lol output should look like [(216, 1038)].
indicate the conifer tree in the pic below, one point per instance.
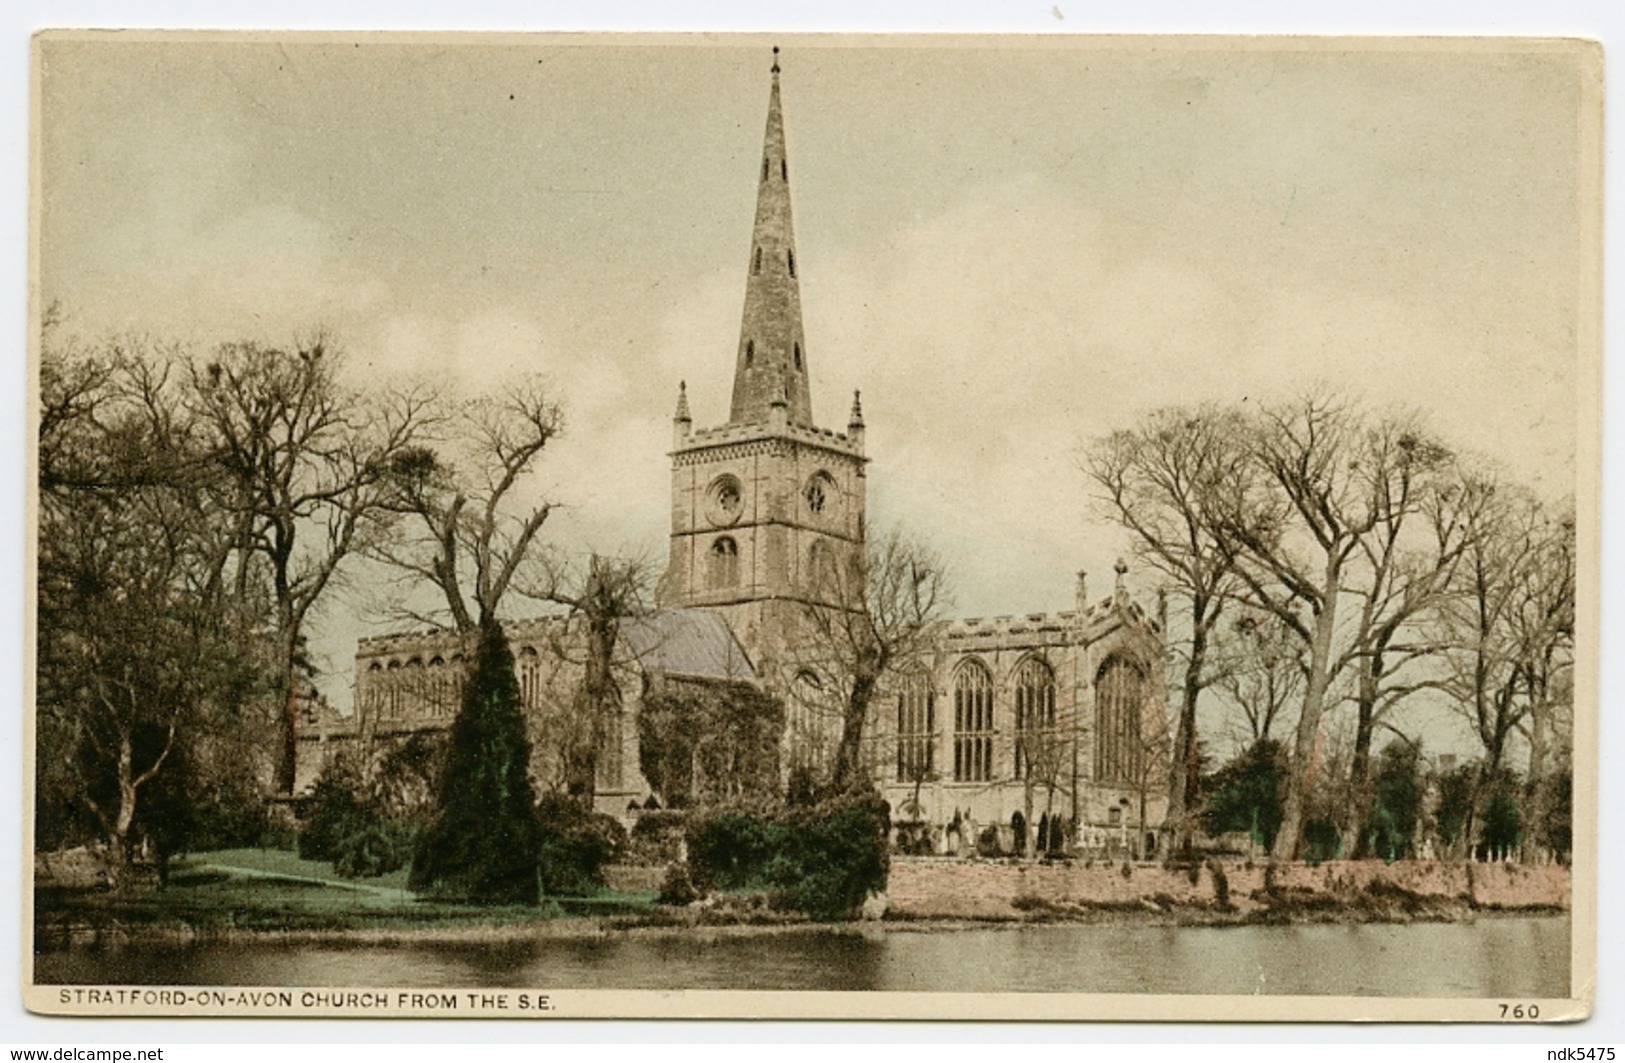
[(483, 847)]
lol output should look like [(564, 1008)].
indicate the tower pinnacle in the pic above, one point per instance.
[(771, 345), (682, 402), (681, 423)]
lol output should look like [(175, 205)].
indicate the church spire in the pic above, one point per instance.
[(772, 351)]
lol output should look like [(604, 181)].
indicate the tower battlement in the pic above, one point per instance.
[(730, 434)]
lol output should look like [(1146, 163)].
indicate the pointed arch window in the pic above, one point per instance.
[(530, 677), (756, 261), (973, 723), (392, 709), (459, 676), (1037, 739), (1119, 700), (784, 169), (750, 353), (821, 571), (439, 686), (724, 564), (374, 699), (797, 348), (765, 161), (916, 729), (790, 260)]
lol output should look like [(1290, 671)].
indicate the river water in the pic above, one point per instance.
[(1492, 957)]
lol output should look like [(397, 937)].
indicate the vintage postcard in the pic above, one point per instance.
[(538, 526)]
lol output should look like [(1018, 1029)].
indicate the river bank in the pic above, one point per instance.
[(723, 925), (1223, 891), (926, 897)]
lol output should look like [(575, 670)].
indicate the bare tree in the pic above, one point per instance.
[(875, 621), (1150, 766), (1044, 747), (1262, 673), (465, 536), (305, 460), (1409, 558), (1509, 622), (1159, 480), (1332, 488)]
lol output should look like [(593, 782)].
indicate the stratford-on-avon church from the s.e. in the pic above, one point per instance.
[(1044, 726)]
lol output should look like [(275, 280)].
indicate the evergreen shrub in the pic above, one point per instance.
[(355, 839), (987, 843), (1321, 841), (821, 860), (677, 888), (483, 846), (1391, 830), (1503, 824), (574, 847), (230, 817), (1246, 794), (656, 838), (380, 846), (334, 814), (914, 839)]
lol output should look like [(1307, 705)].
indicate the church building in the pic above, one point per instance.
[(1040, 728)]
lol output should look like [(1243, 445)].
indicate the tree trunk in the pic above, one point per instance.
[(1314, 701), (1185, 778), (1028, 847), (1355, 840), (1536, 802), (118, 863), (1494, 751), (287, 774), (848, 755), (287, 770)]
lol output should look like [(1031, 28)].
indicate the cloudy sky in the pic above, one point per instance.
[(1010, 249)]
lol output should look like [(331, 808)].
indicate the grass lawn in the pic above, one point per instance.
[(269, 890), (287, 864)]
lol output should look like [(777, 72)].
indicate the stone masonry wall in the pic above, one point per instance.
[(950, 889)]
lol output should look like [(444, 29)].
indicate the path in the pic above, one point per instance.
[(388, 893)]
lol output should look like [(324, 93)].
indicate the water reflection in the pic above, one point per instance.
[(1515, 957)]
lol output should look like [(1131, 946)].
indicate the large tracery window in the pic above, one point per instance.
[(1119, 700), (916, 729), (724, 564), (973, 723), (811, 729), (1037, 739)]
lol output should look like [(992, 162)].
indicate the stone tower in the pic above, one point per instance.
[(768, 509)]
